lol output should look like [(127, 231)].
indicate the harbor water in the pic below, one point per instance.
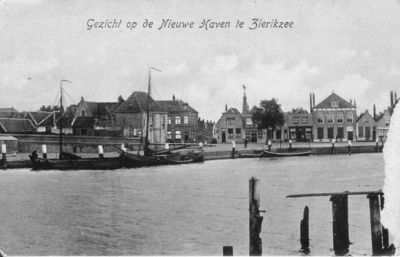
[(193, 209)]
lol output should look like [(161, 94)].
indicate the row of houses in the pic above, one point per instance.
[(169, 120), (332, 118)]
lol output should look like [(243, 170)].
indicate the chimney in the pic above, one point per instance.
[(355, 105), (351, 102), (310, 103), (391, 99), (313, 100), (374, 112), (226, 107)]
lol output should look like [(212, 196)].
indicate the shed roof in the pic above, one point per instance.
[(176, 106), (17, 125)]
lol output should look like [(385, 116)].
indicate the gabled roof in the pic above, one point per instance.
[(300, 111), (9, 114), (68, 116), (333, 97), (232, 111), (17, 125), (8, 109), (104, 107), (39, 116), (363, 114), (84, 122), (176, 106), (137, 103)]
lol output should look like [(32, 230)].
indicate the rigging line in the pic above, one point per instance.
[(54, 103), (69, 96)]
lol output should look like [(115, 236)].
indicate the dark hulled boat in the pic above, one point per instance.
[(275, 154)]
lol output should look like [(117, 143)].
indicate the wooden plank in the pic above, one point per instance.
[(336, 193), (340, 224)]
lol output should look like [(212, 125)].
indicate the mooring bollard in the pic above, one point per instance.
[(255, 221), (101, 152), (290, 145), (44, 151), (377, 145), (349, 143), (227, 251), (233, 149), (269, 145), (304, 232), (333, 146), (201, 146), (4, 155), (340, 224), (376, 233), (166, 146)]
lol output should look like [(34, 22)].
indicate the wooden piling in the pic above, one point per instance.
[(101, 151), (290, 145), (304, 232), (377, 145), (255, 220), (269, 145), (340, 224), (227, 251), (333, 146), (376, 227), (44, 151), (233, 150), (349, 147)]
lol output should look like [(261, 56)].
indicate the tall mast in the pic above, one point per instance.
[(61, 111), (146, 142)]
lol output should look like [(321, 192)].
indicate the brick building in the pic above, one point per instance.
[(182, 121), (299, 123), (366, 127), (334, 117), (131, 116)]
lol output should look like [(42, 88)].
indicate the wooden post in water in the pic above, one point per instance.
[(255, 221), (304, 232), (333, 146), (101, 151), (233, 149), (376, 232), (385, 231), (290, 145), (377, 145), (4, 155), (227, 251), (340, 224), (269, 145)]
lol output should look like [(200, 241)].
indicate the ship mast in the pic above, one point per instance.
[(146, 143), (61, 117)]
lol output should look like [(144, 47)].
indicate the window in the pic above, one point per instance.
[(366, 119), (169, 136), (292, 133), (380, 132), (330, 133), (295, 120), (340, 132), (151, 121), (186, 120), (361, 131), (330, 118), (320, 118), (349, 117), (304, 120), (259, 133), (248, 134), (83, 112), (249, 123), (387, 121), (230, 133), (163, 121), (169, 120), (320, 133), (230, 121), (335, 104), (367, 131), (178, 120), (178, 133), (340, 117), (238, 133)]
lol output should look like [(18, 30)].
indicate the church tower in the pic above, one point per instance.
[(245, 105)]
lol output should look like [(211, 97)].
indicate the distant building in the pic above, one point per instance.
[(43, 121), (383, 124), (299, 123), (182, 121), (230, 126), (131, 116), (96, 119), (366, 127), (12, 125), (207, 131), (334, 117)]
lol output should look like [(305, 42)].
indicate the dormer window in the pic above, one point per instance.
[(335, 104)]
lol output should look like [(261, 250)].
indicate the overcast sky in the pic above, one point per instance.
[(349, 47)]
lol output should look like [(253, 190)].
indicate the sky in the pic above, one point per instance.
[(351, 48)]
